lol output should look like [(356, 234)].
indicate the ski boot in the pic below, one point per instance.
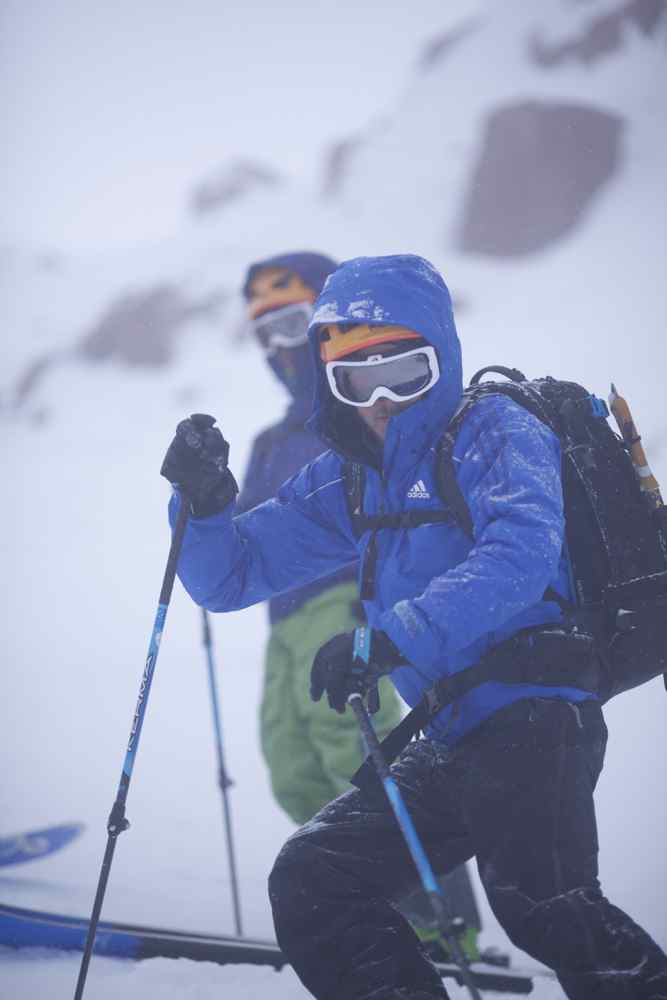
[(436, 947)]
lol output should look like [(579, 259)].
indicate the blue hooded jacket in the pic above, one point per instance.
[(442, 598), (286, 446)]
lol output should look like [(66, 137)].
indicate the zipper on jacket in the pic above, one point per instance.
[(368, 570)]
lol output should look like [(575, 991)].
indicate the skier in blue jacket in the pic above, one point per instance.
[(309, 751), (507, 773)]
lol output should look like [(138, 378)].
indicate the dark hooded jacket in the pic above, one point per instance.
[(285, 447), (442, 598)]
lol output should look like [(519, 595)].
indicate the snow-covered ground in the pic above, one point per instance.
[(84, 536), (164, 979)]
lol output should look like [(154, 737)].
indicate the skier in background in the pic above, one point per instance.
[(309, 751), (507, 773)]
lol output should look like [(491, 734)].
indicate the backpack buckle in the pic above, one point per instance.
[(432, 701), (598, 407)]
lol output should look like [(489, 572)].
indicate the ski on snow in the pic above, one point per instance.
[(21, 928), (37, 844)]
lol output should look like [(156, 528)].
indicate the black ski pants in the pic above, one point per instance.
[(518, 795)]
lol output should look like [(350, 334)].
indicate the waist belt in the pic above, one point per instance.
[(552, 657)]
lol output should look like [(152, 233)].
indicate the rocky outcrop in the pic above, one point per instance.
[(138, 329), (438, 48), (540, 166), (336, 162), (603, 35), (229, 184)]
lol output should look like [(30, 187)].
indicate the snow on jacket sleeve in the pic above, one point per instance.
[(510, 477), (302, 534)]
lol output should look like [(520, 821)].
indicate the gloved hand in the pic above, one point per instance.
[(196, 462), (336, 671)]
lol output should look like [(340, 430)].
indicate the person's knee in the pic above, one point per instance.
[(292, 875), (281, 875), (556, 930), (316, 864)]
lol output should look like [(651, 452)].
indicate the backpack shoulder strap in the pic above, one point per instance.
[(445, 473), (446, 481)]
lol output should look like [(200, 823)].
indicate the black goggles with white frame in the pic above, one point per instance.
[(285, 327), (400, 377)]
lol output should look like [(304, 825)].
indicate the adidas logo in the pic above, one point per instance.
[(419, 491)]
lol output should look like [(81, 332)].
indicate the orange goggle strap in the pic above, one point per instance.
[(337, 342)]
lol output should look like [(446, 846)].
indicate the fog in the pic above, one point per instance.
[(522, 148)]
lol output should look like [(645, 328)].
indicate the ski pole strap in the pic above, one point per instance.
[(536, 656), (455, 512)]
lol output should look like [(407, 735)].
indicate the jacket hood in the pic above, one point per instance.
[(294, 368), (312, 268), (405, 290)]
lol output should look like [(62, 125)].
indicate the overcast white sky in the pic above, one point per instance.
[(112, 110)]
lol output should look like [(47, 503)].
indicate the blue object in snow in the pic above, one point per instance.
[(37, 844)]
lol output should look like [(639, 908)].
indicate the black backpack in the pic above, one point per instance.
[(614, 636)]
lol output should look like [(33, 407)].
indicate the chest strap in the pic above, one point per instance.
[(456, 511), (393, 521)]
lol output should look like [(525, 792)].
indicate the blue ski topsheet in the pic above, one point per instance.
[(37, 843), (20, 928)]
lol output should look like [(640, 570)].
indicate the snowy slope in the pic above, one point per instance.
[(84, 425), (167, 980)]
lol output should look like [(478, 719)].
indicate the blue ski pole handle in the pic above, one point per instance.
[(362, 643), (361, 652)]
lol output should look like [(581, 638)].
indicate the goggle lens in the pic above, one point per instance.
[(401, 377), (287, 327)]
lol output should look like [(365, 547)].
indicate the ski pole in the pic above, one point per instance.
[(362, 639), (223, 778), (117, 822)]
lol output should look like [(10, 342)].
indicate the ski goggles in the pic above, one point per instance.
[(400, 377), (286, 327)]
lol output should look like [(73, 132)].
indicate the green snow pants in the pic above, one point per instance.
[(311, 751)]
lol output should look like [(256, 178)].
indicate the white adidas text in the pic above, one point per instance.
[(419, 491)]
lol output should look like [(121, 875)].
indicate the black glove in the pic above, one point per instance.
[(337, 672), (196, 462)]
